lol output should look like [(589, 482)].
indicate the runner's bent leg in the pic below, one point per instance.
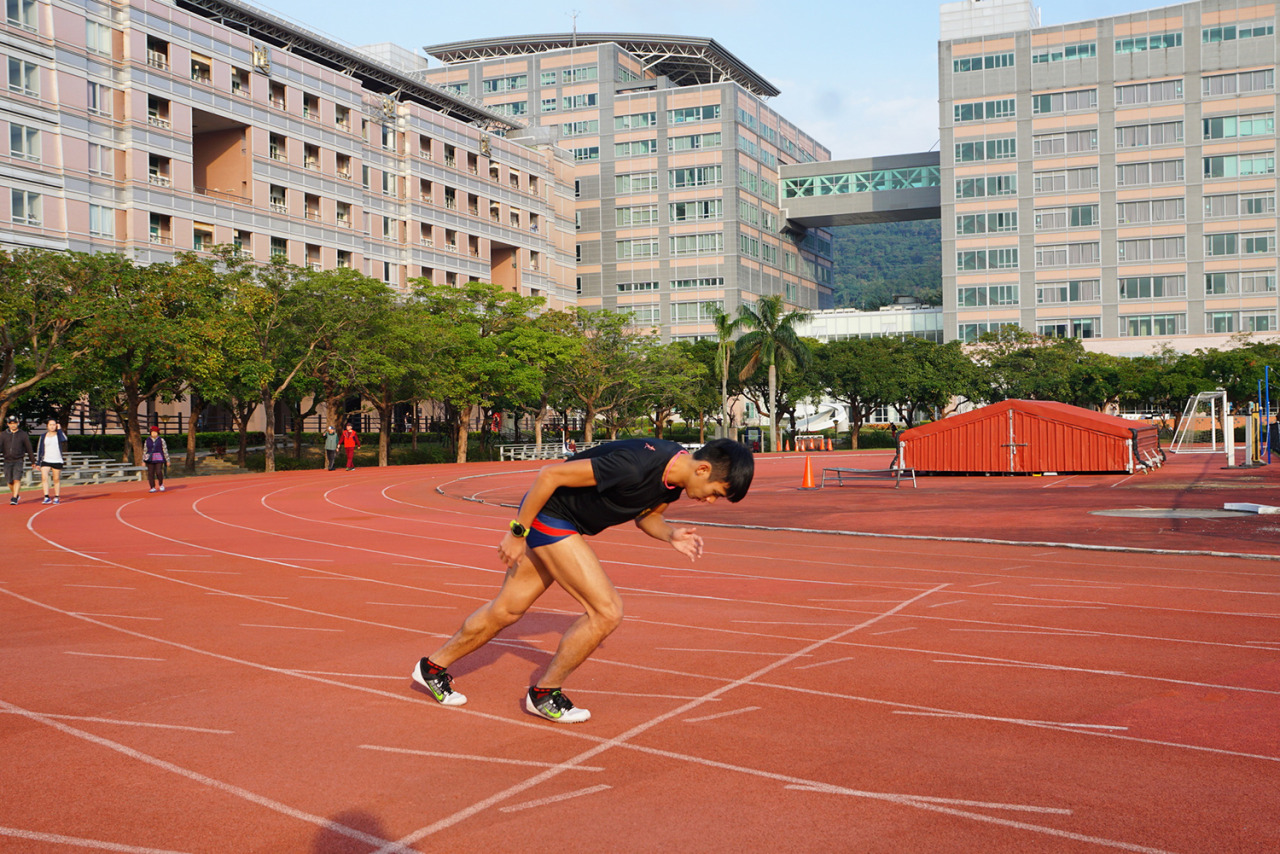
[(523, 584), (575, 567)]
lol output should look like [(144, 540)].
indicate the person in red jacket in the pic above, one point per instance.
[(350, 440)]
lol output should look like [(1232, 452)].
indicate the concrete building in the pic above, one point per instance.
[(147, 127), (1112, 179), (676, 159)]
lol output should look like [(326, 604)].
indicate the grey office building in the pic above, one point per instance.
[(676, 169), (1110, 179)]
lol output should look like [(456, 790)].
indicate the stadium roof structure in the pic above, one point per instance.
[(685, 60), (373, 75)]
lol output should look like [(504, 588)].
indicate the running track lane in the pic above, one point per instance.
[(225, 668)]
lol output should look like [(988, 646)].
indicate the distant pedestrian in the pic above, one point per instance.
[(15, 448), (51, 456), (155, 453), (897, 450), (331, 448), (350, 440)]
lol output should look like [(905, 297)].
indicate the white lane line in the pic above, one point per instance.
[(242, 595), (104, 655), (472, 758), (578, 690), (823, 663), (326, 578), (1033, 666), (985, 584), (411, 605), (1065, 633), (144, 724), (626, 739), (893, 631), (1021, 721), (1082, 586), (953, 801), (294, 628), (347, 675), (82, 842), (100, 586), (213, 783), (722, 715), (113, 616), (945, 604), (542, 802), (65, 565), (204, 571), (790, 623), (1058, 607), (176, 555), (727, 651), (460, 584)]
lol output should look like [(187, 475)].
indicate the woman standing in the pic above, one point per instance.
[(51, 456), (330, 448), (155, 453)]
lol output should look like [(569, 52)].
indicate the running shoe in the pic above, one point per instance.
[(152, 489), (57, 500), (47, 500), (440, 685), (162, 487), (556, 707), (13, 500)]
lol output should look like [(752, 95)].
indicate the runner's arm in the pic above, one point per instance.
[(549, 479), (684, 540)]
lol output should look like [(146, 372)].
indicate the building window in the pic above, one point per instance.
[(24, 78), (504, 84), (578, 102), (22, 13), (1149, 93), (698, 244), (581, 74), (279, 202), (1153, 210), (276, 147), (635, 120), (1239, 165), (1152, 41), (99, 99), (590, 152), (1233, 127), (279, 249), (582, 128), (1250, 30), (992, 185), (1247, 243), (712, 282), (101, 160), (707, 113), (1145, 325), (24, 142), (986, 62), (1064, 102), (1083, 50), (1073, 327), (696, 312), (636, 182), (1151, 249), (693, 142), (1081, 290), (978, 111), (984, 259), (645, 315), (631, 287), (695, 176), (1233, 84), (1141, 136), (26, 207), (97, 38), (1239, 204), (987, 295), (635, 148), (549, 78), (635, 216), (642, 248), (1152, 287), (102, 221), (1153, 172), (986, 149), (1071, 142)]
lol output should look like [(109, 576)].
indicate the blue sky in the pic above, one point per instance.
[(861, 77)]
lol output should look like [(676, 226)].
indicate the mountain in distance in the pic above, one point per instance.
[(874, 263)]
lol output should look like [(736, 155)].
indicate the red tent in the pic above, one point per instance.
[(1030, 436)]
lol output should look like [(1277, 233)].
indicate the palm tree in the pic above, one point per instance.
[(771, 341), (726, 326)]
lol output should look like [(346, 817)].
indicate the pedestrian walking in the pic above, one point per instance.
[(331, 448), (155, 453), (51, 456), (350, 440), (15, 449)]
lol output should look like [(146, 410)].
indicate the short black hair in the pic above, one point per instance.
[(731, 463)]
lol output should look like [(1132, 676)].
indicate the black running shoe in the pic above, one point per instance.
[(440, 685), (556, 707)]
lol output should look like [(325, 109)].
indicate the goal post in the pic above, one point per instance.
[(1206, 426)]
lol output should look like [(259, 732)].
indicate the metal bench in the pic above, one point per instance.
[(840, 475)]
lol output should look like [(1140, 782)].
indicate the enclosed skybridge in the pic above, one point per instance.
[(855, 192)]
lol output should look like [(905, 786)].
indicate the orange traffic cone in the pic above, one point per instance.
[(831, 445), (809, 482)]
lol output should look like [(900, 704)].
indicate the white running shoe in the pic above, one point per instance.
[(556, 707), (440, 685)]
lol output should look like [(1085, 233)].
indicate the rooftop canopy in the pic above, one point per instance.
[(372, 74), (684, 60)]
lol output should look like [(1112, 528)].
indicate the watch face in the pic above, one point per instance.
[(518, 529)]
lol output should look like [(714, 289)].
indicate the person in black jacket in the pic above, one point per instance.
[(15, 448), (632, 480)]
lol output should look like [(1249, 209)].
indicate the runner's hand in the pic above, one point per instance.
[(688, 542), (511, 549)]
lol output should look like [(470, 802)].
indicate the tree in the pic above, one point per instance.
[(604, 374), (548, 344), (45, 300), (726, 328), (1018, 364), (669, 377), (862, 374), (772, 342), (702, 399), (474, 362), (929, 376)]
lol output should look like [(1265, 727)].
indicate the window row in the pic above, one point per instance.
[(674, 284)]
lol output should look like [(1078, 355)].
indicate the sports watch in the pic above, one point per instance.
[(518, 530)]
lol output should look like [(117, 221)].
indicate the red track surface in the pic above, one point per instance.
[(224, 668)]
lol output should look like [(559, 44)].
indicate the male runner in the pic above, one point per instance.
[(612, 483)]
